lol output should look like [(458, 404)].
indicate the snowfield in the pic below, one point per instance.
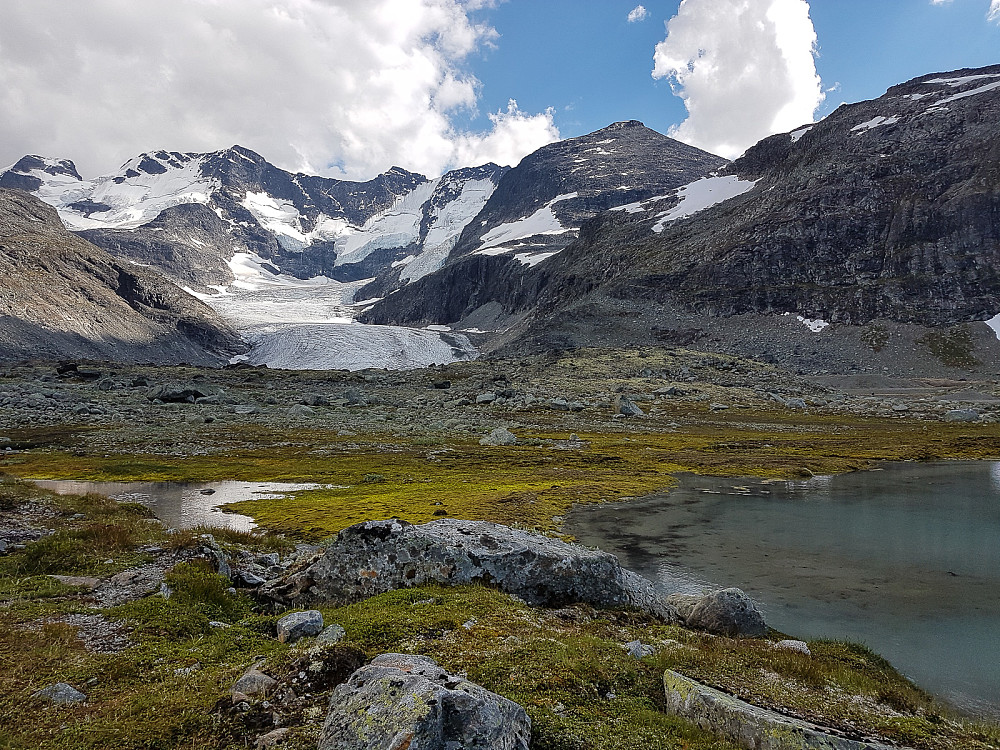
[(702, 194)]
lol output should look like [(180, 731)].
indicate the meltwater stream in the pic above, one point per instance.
[(905, 559)]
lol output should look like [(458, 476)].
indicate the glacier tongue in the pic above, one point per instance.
[(308, 324)]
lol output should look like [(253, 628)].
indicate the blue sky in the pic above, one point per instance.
[(586, 61), (349, 88)]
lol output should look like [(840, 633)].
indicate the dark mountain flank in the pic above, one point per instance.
[(61, 297), (536, 211)]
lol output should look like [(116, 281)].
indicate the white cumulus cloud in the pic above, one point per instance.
[(994, 14), (638, 13), (746, 69), (336, 87)]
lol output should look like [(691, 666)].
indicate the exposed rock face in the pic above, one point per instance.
[(378, 556), (401, 701), (886, 209), (62, 297), (537, 209), (747, 725)]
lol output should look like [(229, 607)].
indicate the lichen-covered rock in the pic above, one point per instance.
[(401, 701), (747, 725), (61, 693), (499, 436), (378, 556), (727, 612), (331, 634), (300, 625)]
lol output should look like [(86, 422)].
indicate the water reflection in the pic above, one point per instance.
[(905, 559), (184, 505)]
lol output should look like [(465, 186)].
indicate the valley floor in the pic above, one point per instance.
[(418, 445)]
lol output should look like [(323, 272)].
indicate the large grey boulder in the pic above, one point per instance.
[(401, 701), (300, 625), (499, 436), (377, 556), (727, 612)]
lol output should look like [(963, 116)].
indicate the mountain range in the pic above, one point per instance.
[(839, 245)]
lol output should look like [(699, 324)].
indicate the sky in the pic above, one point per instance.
[(349, 88)]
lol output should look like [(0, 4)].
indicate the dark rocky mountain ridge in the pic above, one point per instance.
[(575, 179), (885, 212)]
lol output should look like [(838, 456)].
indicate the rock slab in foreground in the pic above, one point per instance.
[(400, 701), (748, 725), (378, 556)]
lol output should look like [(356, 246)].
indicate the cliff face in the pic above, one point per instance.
[(62, 297), (536, 211), (886, 209)]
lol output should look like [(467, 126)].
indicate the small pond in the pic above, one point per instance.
[(905, 559), (184, 505)]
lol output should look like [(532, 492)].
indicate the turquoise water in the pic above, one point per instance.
[(905, 559)]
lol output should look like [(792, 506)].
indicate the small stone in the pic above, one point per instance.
[(639, 650), (331, 634), (273, 738), (300, 625), (253, 683), (499, 436), (486, 398), (795, 403), (61, 693), (789, 645)]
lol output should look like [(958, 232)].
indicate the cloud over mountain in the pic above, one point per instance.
[(330, 86)]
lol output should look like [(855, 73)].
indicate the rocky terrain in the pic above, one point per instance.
[(62, 296), (881, 215)]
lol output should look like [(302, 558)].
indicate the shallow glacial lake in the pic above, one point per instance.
[(184, 505), (905, 559)]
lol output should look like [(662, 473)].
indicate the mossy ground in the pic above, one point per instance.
[(528, 484), (567, 667)]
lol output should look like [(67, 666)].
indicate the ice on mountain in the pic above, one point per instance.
[(533, 259), (815, 326), (702, 194), (796, 135), (962, 80), (543, 221), (875, 122), (965, 94)]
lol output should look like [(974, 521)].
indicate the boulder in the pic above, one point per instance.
[(61, 693), (174, 393), (961, 415), (252, 684), (499, 436), (627, 407), (300, 625), (377, 556), (401, 701), (727, 612)]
